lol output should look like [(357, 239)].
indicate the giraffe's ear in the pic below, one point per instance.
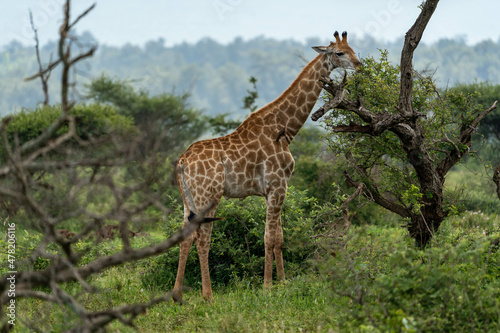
[(322, 49)]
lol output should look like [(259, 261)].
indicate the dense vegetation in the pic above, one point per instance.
[(403, 157)]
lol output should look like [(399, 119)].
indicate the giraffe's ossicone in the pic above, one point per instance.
[(254, 160)]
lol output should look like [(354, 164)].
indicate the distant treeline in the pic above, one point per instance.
[(216, 76)]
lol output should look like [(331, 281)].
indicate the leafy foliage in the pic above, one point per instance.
[(92, 121), (379, 160), (252, 95), (453, 286)]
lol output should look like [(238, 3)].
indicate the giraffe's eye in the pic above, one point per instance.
[(339, 54)]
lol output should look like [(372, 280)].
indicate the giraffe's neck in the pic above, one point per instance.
[(290, 110)]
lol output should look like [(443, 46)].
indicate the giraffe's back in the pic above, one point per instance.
[(236, 166)]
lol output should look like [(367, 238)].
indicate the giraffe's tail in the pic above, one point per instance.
[(188, 197), (193, 217)]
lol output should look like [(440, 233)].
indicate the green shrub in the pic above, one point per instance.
[(92, 120), (453, 285), (237, 243)]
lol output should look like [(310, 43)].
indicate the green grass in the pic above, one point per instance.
[(300, 304)]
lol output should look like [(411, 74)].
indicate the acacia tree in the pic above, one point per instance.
[(401, 135)]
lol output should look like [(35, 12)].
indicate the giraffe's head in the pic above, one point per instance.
[(340, 54)]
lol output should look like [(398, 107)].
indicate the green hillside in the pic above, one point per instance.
[(216, 75)]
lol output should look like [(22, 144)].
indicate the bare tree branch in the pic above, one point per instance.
[(337, 92), (373, 193), (45, 71), (412, 39), (77, 174), (81, 16), (64, 50), (99, 319), (45, 76), (353, 128)]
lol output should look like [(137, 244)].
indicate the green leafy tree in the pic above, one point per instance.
[(92, 121), (401, 136), (155, 116)]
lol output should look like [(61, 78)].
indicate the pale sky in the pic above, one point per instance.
[(137, 21)]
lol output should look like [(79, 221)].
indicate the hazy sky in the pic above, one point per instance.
[(136, 21)]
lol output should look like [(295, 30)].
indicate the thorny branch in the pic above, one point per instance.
[(412, 39), (76, 177)]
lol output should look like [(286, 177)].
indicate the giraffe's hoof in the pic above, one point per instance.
[(177, 297)]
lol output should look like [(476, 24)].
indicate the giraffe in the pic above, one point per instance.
[(253, 160)]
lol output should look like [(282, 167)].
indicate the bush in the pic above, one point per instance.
[(237, 246), (453, 285), (92, 120)]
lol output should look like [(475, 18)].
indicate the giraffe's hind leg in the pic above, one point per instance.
[(201, 237), (273, 238), (202, 241), (185, 247)]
